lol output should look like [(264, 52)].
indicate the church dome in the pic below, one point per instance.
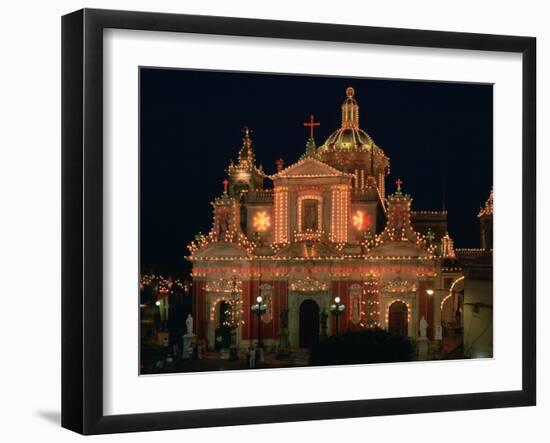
[(349, 148), (349, 137)]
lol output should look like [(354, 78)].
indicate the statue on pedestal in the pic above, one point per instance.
[(439, 332), (188, 339), (423, 327), (422, 342), (189, 324)]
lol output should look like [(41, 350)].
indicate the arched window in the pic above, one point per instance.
[(310, 212)]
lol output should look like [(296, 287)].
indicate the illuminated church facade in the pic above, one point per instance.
[(321, 228)]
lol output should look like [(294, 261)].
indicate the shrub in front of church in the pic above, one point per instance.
[(369, 346)]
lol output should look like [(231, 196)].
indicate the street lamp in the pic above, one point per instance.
[(337, 308), (161, 305), (259, 308)]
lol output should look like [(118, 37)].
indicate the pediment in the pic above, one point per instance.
[(309, 167)]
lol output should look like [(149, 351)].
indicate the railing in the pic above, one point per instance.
[(262, 196), (429, 215), (309, 236)]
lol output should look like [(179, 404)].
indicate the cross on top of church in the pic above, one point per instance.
[(312, 123), (398, 182), (225, 183)]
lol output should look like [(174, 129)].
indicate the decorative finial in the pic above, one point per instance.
[(247, 141), (398, 182), (246, 157), (447, 248), (312, 123), (488, 208), (350, 110), (225, 183)]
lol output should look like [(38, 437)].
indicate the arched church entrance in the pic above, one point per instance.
[(398, 323), (223, 332), (309, 323)]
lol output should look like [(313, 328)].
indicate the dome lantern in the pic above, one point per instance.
[(350, 111)]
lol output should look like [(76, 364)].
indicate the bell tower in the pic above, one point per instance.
[(244, 177)]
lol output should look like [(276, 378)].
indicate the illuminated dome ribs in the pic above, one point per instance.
[(351, 150)]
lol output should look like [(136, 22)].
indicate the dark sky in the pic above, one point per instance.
[(438, 136)]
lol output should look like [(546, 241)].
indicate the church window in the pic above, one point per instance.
[(223, 221), (310, 213), (240, 190)]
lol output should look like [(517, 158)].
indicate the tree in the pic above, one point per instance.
[(369, 346)]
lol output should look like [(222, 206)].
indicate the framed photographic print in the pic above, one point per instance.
[(270, 221)]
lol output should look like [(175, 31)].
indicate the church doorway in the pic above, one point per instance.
[(309, 323), (223, 332), (398, 323)]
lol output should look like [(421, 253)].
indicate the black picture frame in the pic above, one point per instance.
[(82, 218)]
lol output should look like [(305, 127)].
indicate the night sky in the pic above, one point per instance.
[(438, 136)]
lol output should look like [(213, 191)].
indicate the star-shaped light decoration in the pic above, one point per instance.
[(261, 221)]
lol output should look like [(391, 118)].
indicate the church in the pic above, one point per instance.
[(328, 246)]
